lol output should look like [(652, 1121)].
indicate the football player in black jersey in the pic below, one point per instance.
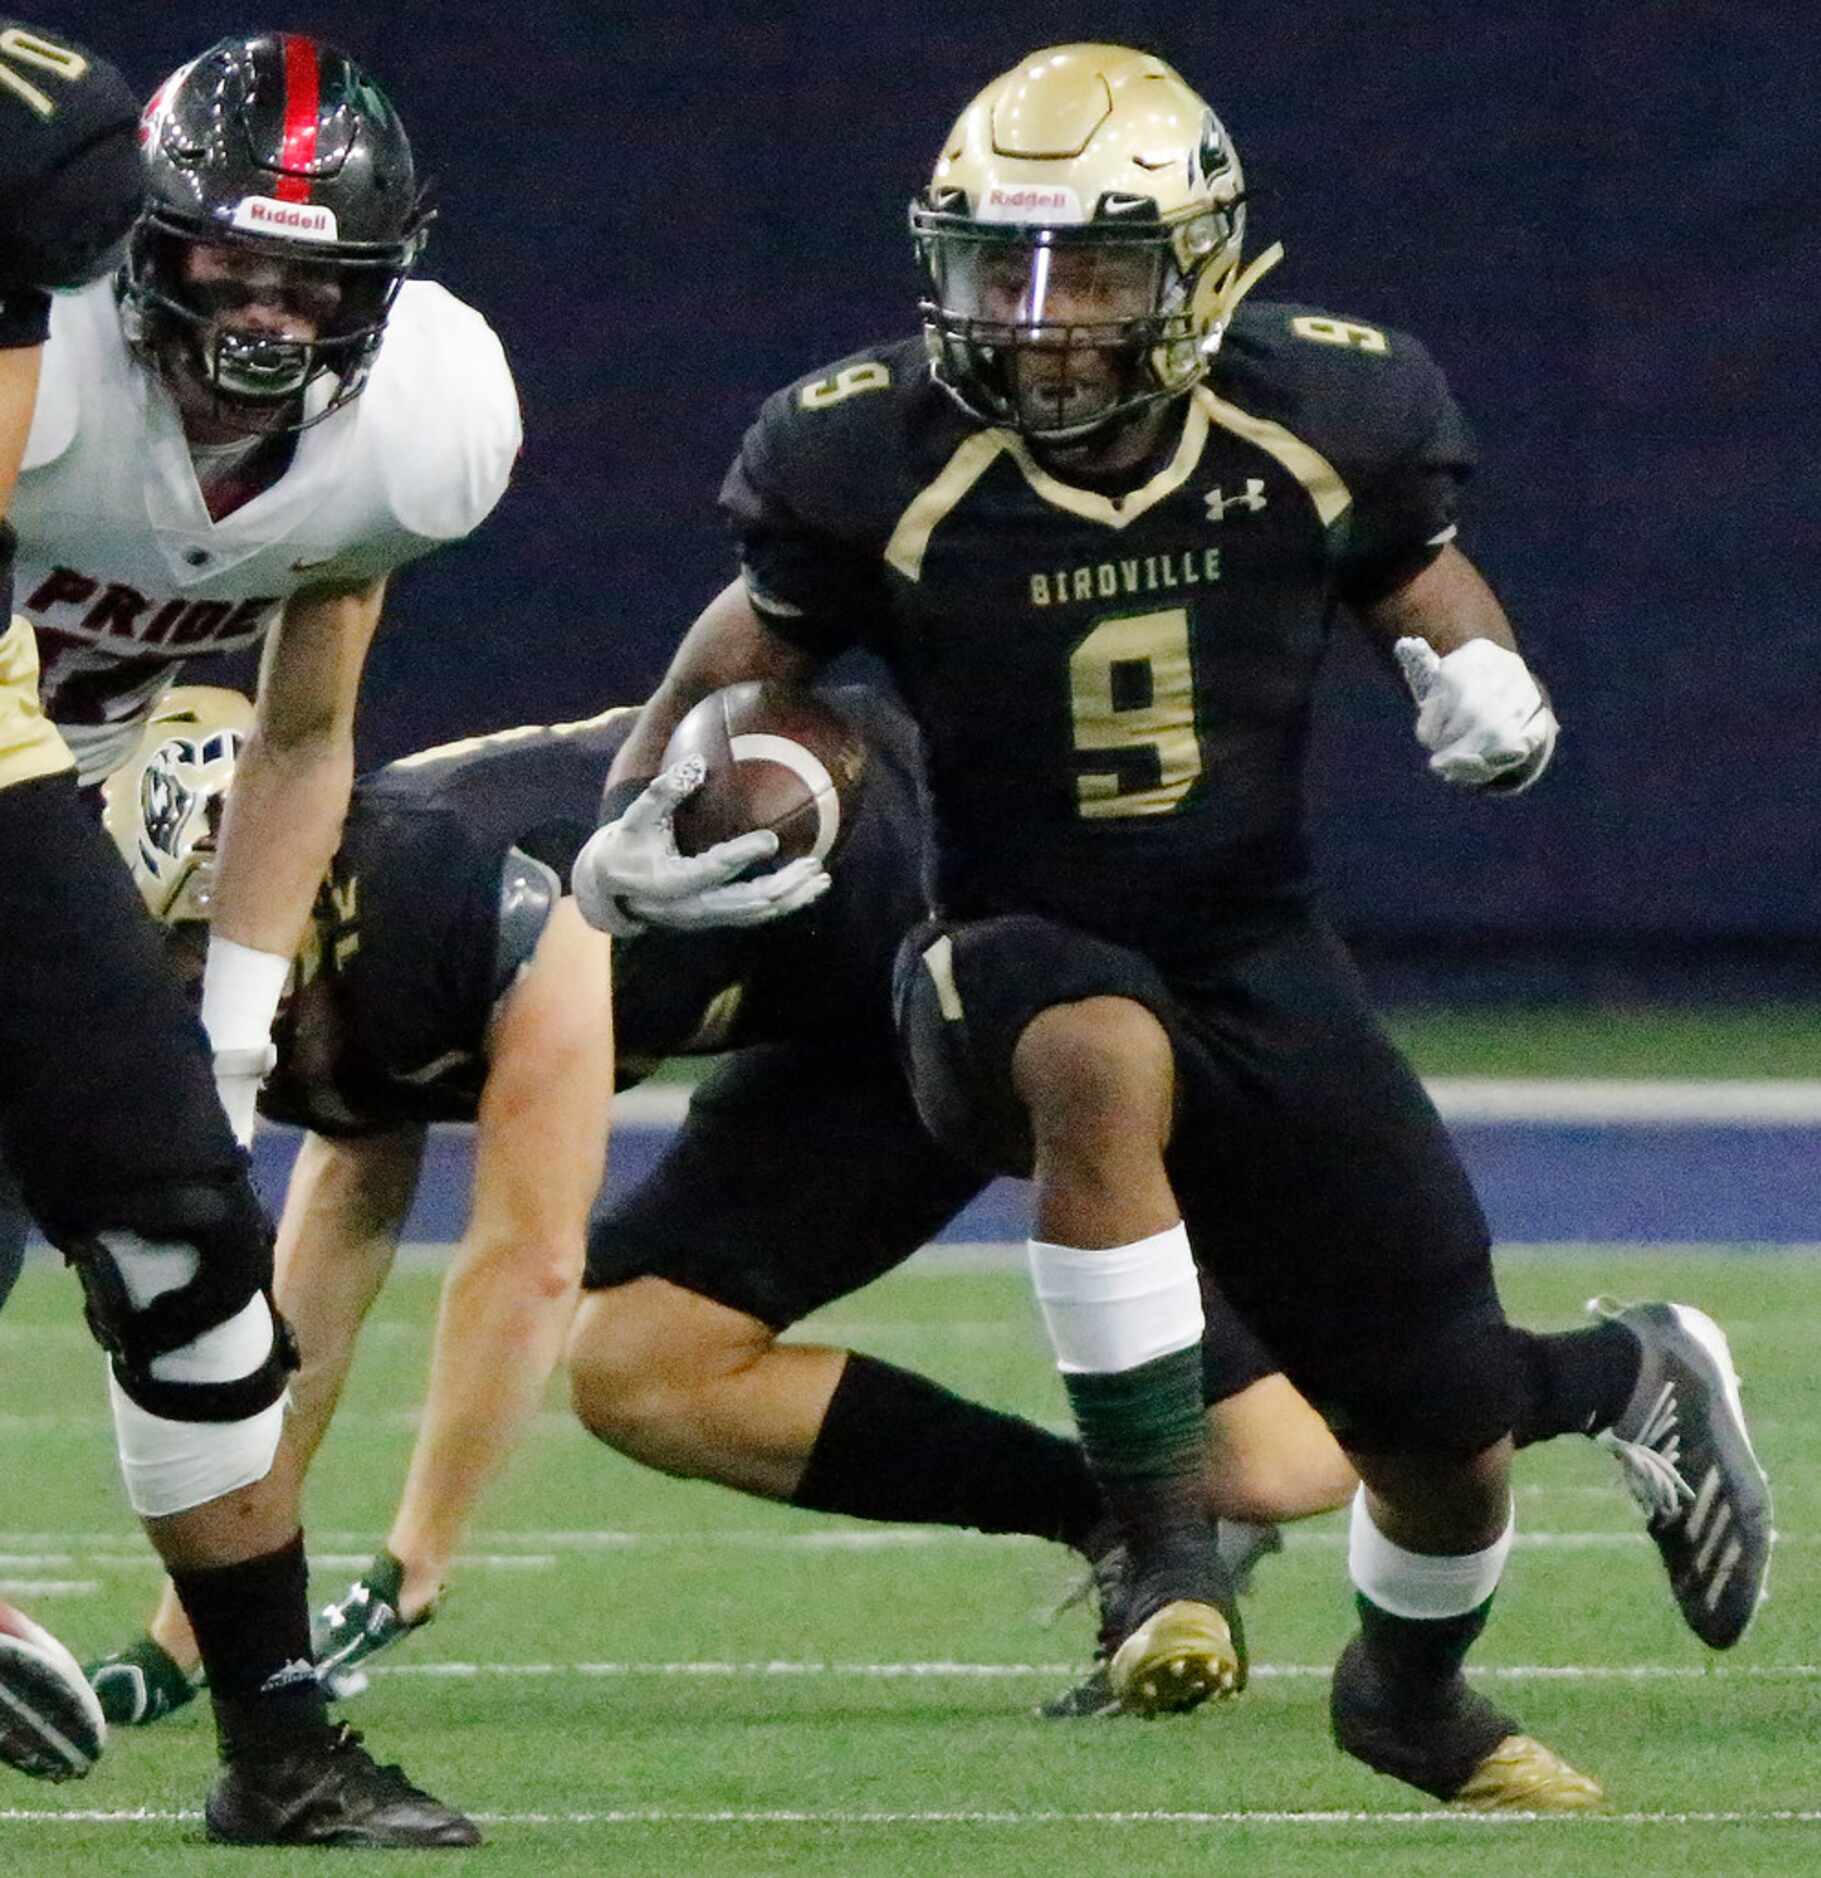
[(108, 1114), (445, 979), (1100, 522)]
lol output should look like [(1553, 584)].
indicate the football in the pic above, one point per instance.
[(50, 1722), (778, 757)]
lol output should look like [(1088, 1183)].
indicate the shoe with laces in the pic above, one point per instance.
[(1687, 1460), (364, 1622), (1179, 1639), (327, 1790), (1240, 1546)]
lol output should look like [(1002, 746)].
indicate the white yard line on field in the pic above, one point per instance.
[(528, 1549), (785, 1670), (1730, 1102), (908, 1816)]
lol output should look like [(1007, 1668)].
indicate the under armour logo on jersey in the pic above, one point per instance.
[(1253, 498)]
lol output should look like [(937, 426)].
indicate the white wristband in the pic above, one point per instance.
[(240, 992)]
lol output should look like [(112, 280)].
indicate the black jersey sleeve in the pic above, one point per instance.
[(1375, 406), (71, 180), (808, 498), (1404, 509)]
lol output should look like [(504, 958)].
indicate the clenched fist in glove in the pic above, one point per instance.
[(631, 874), (1479, 713)]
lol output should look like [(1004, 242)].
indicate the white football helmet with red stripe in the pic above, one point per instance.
[(282, 147)]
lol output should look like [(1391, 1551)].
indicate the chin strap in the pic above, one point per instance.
[(1224, 298)]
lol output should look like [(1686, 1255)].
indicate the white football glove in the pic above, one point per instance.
[(1479, 713), (630, 874)]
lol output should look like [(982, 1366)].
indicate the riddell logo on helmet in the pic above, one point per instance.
[(300, 221), (1030, 202)]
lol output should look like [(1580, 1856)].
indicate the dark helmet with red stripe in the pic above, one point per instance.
[(283, 146)]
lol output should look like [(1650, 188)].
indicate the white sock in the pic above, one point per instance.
[(1111, 1310), (1421, 1584)]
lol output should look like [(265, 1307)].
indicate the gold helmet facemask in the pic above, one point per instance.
[(164, 808), (1080, 240)]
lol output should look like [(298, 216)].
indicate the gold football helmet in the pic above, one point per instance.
[(164, 808), (1081, 242)]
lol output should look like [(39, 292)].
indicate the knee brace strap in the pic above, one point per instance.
[(229, 1271)]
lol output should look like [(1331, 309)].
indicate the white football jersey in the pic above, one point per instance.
[(121, 570)]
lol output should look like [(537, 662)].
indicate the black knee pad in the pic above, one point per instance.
[(963, 993), (223, 1220)]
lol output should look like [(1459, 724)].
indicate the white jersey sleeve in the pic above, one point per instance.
[(439, 426)]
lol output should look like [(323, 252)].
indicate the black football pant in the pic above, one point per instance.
[(106, 1088)]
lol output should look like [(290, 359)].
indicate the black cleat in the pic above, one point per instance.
[(1688, 1462), (327, 1791), (1449, 1742), (1240, 1546), (1179, 1636)]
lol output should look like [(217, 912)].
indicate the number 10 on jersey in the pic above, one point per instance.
[(1132, 696)]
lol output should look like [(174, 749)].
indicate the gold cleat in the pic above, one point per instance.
[(1522, 1776), (1178, 1657)]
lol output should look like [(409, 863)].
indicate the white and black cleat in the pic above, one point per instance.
[(51, 1725), (1688, 1462)]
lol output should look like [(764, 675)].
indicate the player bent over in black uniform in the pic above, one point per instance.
[(1102, 552), (109, 1116)]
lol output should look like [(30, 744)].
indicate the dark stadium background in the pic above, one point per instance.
[(1598, 217)]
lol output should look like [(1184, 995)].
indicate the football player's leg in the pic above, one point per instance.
[(335, 1247), (15, 1229), (1050, 1050), (1359, 1254), (127, 1161), (1270, 1457), (798, 1177)]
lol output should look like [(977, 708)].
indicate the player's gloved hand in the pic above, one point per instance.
[(630, 874), (1479, 713)]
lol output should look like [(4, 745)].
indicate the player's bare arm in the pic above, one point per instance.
[(728, 642), (282, 824), (539, 1145), (293, 780), (1481, 712), (1448, 603)]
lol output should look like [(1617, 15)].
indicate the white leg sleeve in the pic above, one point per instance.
[(1417, 1584), (1109, 1311)]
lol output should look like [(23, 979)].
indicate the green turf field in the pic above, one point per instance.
[(634, 1675), (1776, 1040)]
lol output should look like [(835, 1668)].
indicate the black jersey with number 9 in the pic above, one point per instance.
[(1113, 685)]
